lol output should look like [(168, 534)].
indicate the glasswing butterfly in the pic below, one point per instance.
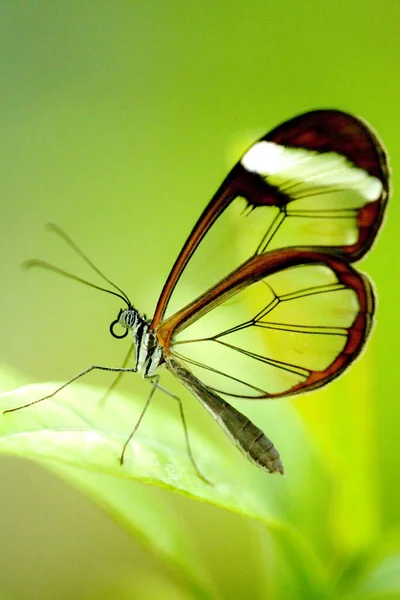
[(279, 310)]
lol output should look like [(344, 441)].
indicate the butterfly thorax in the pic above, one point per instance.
[(148, 354)]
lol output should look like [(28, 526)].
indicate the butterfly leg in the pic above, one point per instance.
[(155, 385), (153, 389), (81, 374), (117, 379)]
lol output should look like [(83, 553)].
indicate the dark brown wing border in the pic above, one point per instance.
[(322, 131), (268, 264)]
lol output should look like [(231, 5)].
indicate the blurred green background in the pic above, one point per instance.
[(119, 121)]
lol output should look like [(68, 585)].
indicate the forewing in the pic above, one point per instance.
[(287, 321), (320, 179)]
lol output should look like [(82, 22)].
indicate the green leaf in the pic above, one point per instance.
[(384, 581), (381, 581), (76, 437)]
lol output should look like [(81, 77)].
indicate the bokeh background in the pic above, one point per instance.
[(119, 120)]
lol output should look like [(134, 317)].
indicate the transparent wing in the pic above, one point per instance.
[(320, 179), (287, 321)]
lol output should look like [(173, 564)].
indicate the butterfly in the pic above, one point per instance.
[(272, 305)]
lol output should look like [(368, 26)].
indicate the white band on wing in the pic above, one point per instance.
[(282, 164)]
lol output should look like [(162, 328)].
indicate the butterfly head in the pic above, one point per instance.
[(128, 318)]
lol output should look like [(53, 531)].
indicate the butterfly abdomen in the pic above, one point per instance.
[(250, 440)]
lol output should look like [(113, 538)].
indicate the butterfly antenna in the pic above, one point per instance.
[(35, 262), (60, 232)]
